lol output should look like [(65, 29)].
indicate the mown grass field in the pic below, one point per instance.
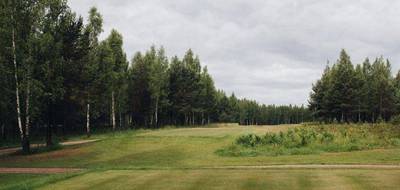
[(183, 158)]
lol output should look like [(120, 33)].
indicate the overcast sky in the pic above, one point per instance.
[(270, 51)]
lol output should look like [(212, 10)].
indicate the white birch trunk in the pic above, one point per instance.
[(202, 118), (120, 118), (17, 85), (113, 110), (27, 113), (156, 113), (192, 117), (88, 119)]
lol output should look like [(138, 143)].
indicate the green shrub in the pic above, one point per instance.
[(317, 138), (395, 120), (327, 137), (249, 140)]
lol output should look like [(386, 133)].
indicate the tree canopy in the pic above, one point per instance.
[(362, 93)]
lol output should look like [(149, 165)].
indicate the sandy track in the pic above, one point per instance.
[(299, 166), (7, 151), (312, 166), (38, 170)]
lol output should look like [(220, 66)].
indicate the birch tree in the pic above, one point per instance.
[(118, 73), (93, 29), (158, 81), (17, 17)]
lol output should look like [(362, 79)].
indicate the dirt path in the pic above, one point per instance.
[(38, 170), (68, 143), (313, 166), (299, 166), (7, 151)]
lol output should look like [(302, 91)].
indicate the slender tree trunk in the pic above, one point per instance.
[(156, 113), (49, 140), (25, 148), (113, 110), (202, 118), (88, 120), (380, 106), (192, 117), (3, 134), (131, 124), (373, 117), (185, 119), (120, 118), (341, 120), (26, 145), (27, 106)]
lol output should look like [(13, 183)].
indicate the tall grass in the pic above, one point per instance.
[(313, 139)]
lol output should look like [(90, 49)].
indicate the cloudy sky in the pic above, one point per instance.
[(267, 50)]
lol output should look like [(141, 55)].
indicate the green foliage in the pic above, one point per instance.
[(395, 120), (366, 93), (316, 139)]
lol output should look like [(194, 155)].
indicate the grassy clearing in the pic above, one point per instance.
[(172, 158), (315, 139), (30, 181), (233, 179), (182, 148)]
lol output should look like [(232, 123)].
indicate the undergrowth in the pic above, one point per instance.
[(314, 139)]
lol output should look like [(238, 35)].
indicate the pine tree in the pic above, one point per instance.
[(319, 104), (139, 91), (342, 88)]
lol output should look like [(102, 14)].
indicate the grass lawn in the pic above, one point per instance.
[(30, 181), (172, 158), (215, 179)]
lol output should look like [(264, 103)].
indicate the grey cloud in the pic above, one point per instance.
[(271, 51)]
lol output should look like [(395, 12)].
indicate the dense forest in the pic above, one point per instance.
[(367, 92), (57, 76)]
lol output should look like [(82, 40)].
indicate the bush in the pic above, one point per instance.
[(317, 138), (292, 138), (327, 137), (395, 120), (249, 140)]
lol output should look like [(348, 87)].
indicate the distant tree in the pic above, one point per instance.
[(383, 89), (90, 70), (319, 104), (366, 93), (397, 92), (158, 82), (118, 74), (342, 89), (139, 91)]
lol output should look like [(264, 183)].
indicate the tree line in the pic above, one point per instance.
[(366, 92), (57, 75), (249, 112)]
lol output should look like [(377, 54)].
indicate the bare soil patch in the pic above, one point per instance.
[(38, 170), (8, 151), (313, 166)]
